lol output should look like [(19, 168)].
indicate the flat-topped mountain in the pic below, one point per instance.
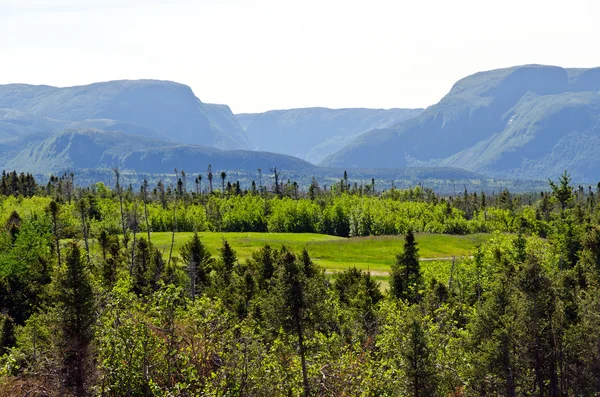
[(162, 109), (528, 121)]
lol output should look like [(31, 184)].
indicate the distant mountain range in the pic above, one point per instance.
[(90, 149), (314, 133), (157, 109), (527, 122), (93, 153)]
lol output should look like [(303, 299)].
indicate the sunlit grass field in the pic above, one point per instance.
[(335, 254)]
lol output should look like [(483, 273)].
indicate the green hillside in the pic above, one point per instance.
[(529, 121), (314, 133)]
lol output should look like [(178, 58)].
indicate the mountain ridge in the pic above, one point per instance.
[(167, 107), (315, 132), (476, 114), (93, 148)]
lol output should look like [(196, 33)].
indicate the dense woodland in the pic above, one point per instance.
[(519, 317)]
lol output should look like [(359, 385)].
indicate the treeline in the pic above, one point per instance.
[(518, 318), (340, 210)]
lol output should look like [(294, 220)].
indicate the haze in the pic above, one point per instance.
[(261, 55)]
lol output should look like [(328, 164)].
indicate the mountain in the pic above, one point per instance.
[(244, 119), (528, 122), (314, 133), (15, 124), (96, 149), (162, 109), (91, 154)]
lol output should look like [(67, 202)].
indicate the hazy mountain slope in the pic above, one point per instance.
[(91, 154), (245, 119), (15, 124), (118, 126), (169, 108), (547, 133), (509, 122), (91, 149), (225, 121), (314, 133)]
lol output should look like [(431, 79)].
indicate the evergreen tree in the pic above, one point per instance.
[(542, 332), (54, 209), (406, 279), (418, 363), (297, 303), (223, 176), (199, 262), (227, 260), (113, 260), (75, 304), (13, 224), (562, 191), (360, 294), (495, 341), (268, 268), (7, 334), (141, 267), (157, 269)]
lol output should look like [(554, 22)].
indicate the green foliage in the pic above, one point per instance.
[(562, 192), (516, 314), (406, 279), (199, 264), (76, 305)]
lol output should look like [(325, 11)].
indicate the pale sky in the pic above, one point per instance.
[(256, 55)]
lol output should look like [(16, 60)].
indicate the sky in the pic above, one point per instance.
[(257, 55)]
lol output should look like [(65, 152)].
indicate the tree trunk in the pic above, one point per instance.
[(174, 230), (302, 356), (146, 215), (56, 239), (85, 232)]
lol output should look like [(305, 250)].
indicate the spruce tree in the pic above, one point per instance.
[(75, 304), (406, 279), (562, 191), (297, 304), (141, 267), (267, 266), (418, 363), (295, 300), (199, 264), (228, 258)]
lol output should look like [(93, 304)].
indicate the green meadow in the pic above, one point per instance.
[(335, 254)]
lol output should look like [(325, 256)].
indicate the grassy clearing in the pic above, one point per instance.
[(336, 254), (333, 253)]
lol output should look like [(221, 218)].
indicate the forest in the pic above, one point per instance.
[(98, 299)]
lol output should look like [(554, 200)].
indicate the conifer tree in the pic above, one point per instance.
[(406, 279), (562, 191), (7, 334), (418, 363), (296, 303), (75, 304), (266, 264), (141, 267), (228, 258), (494, 341), (54, 210), (223, 176), (199, 264)]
